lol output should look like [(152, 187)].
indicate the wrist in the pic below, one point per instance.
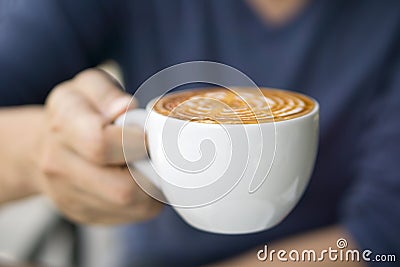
[(19, 140), (31, 174)]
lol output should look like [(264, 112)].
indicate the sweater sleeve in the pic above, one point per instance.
[(371, 211), (45, 42)]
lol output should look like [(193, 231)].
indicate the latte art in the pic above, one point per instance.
[(241, 106)]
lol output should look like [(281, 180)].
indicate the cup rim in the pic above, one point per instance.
[(150, 105)]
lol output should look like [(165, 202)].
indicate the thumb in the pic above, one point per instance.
[(104, 92), (118, 106)]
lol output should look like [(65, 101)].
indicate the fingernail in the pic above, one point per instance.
[(118, 106)]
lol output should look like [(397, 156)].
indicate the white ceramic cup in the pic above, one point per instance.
[(228, 178)]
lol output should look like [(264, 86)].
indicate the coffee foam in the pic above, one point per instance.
[(238, 106)]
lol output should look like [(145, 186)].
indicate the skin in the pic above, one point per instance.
[(277, 12), (72, 153)]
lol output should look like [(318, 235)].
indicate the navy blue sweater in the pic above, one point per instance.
[(346, 54)]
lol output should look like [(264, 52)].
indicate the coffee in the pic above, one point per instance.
[(238, 106)]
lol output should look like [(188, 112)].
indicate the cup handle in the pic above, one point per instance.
[(138, 117)]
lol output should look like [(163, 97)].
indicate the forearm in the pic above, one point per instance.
[(318, 241), (19, 142)]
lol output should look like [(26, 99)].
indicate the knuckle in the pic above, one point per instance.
[(55, 106), (87, 74), (55, 126), (48, 164), (55, 122), (58, 93)]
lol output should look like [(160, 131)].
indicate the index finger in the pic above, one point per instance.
[(104, 92), (85, 131)]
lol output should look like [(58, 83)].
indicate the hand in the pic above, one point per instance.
[(82, 165)]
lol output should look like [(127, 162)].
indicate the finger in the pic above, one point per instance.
[(77, 124), (90, 196), (83, 130), (107, 95), (113, 184), (142, 207), (124, 144), (104, 92), (85, 207)]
